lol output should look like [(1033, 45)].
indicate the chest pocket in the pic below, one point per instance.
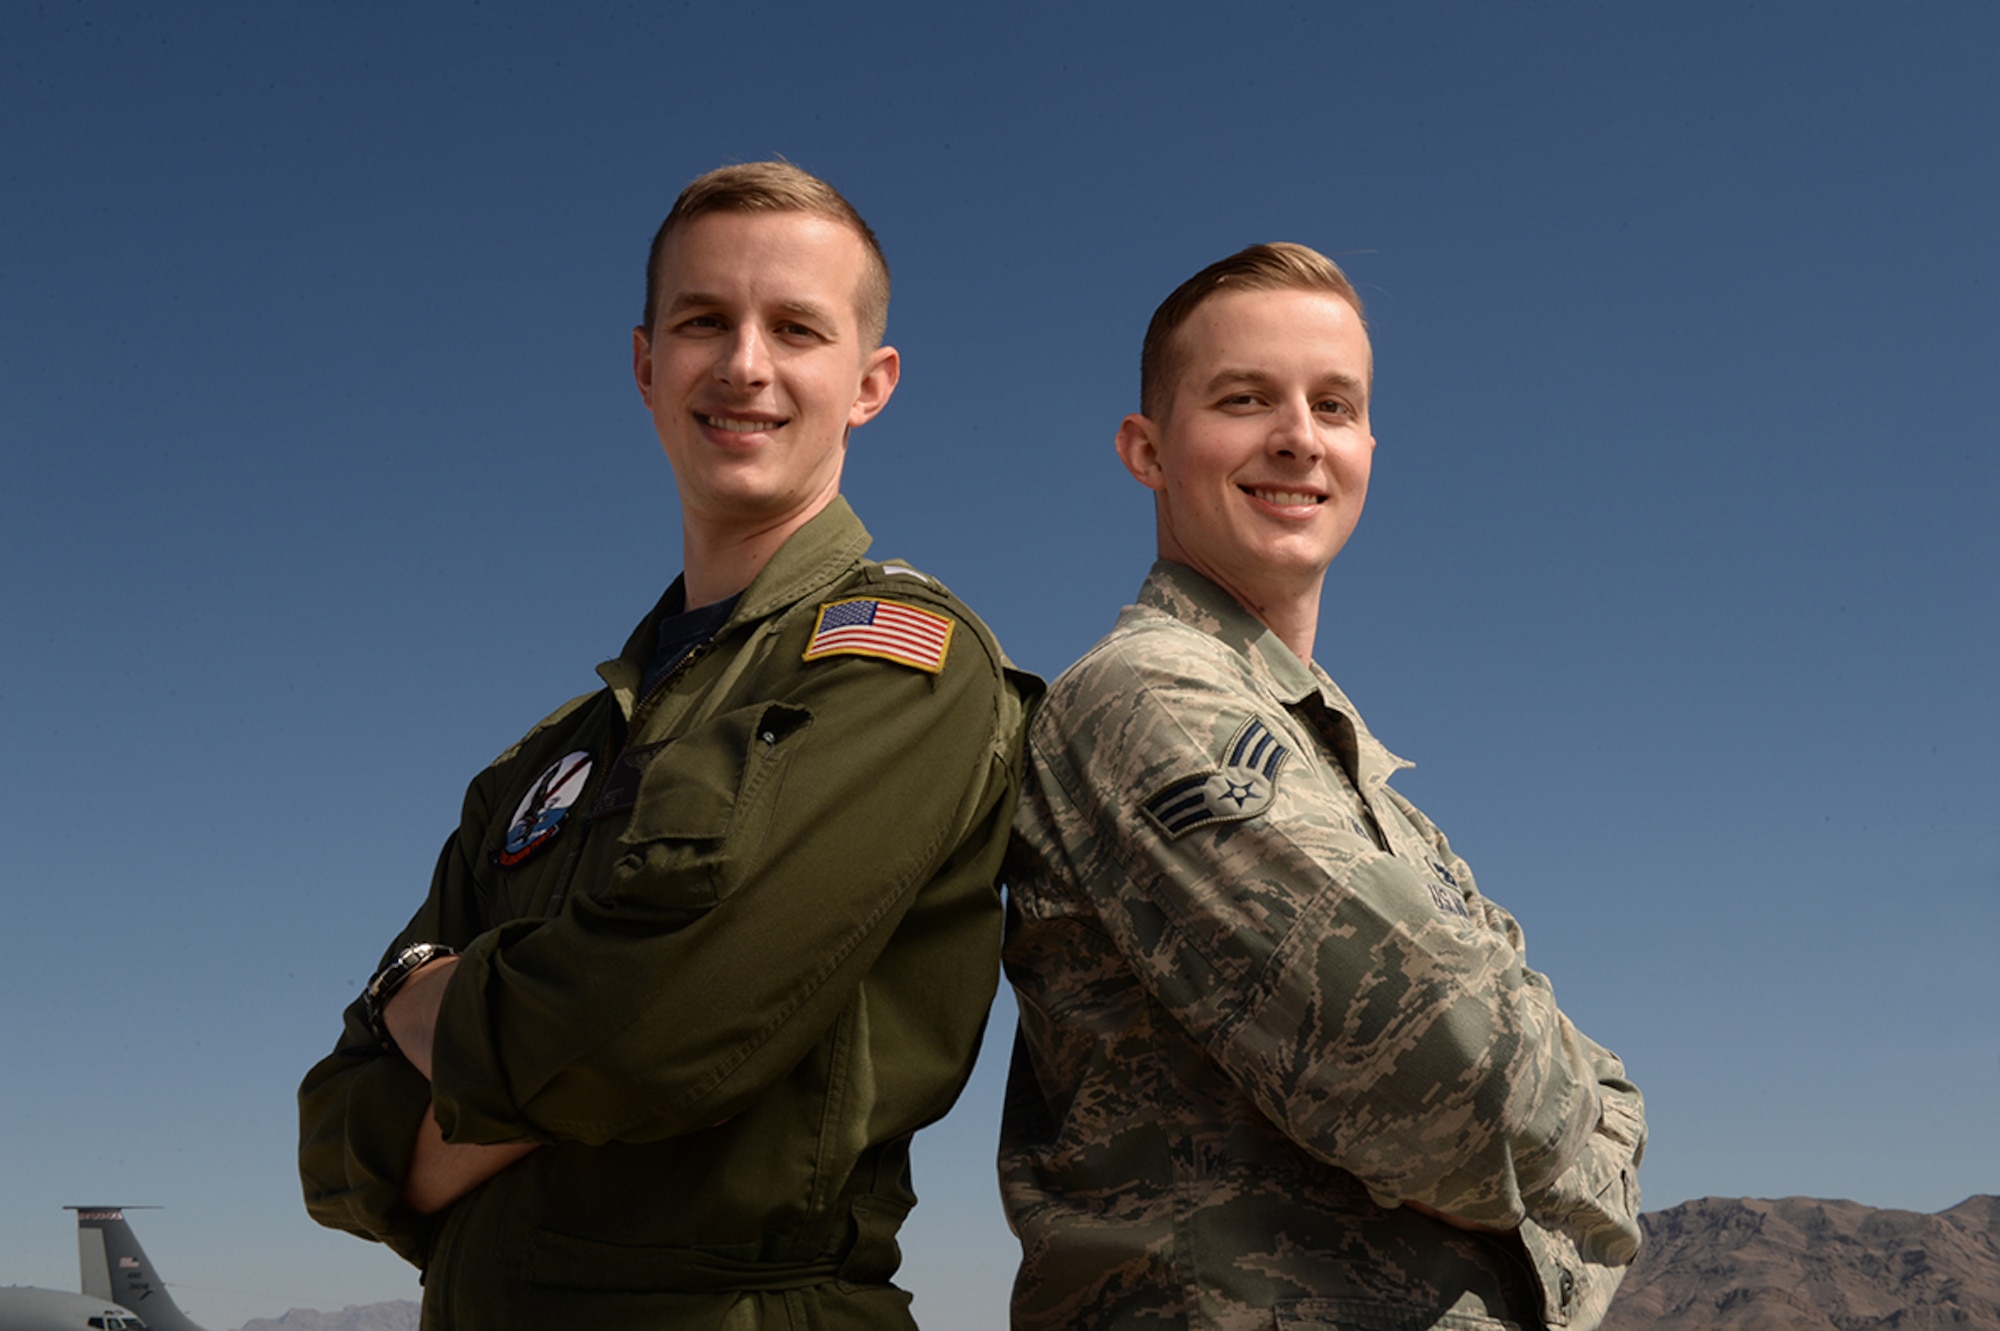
[(1411, 847), (699, 807)]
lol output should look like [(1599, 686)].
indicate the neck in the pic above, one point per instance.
[(1295, 619), (1291, 613), (720, 560), (1287, 607)]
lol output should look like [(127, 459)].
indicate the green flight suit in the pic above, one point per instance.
[(753, 959)]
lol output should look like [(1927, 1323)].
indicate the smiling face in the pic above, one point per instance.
[(756, 367), (1260, 463)]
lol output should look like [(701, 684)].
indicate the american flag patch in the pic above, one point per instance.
[(886, 629)]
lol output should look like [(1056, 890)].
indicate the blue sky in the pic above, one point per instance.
[(325, 477)]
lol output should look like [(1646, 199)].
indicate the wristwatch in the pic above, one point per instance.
[(392, 977)]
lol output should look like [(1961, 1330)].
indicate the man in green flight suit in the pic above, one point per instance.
[(709, 944), (1281, 1065)]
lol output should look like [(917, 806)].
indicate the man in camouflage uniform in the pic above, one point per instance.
[(1280, 1064), (710, 944)]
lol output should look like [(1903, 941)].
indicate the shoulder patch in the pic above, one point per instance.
[(1242, 787), (541, 812), (889, 630)]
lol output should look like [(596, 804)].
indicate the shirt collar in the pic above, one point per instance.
[(813, 557), (1178, 591)]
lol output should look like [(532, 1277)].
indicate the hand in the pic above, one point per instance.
[(441, 1172), (411, 1013)]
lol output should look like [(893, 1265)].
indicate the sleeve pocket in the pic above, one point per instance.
[(702, 804)]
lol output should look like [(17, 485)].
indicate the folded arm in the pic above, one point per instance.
[(440, 1172), (1384, 1033), (770, 854)]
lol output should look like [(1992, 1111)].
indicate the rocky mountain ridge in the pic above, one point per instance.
[(1808, 1264), (1716, 1264), (398, 1315)]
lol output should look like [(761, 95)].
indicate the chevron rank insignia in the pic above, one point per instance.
[(1242, 787)]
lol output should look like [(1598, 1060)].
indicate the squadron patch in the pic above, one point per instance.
[(542, 810), (1242, 787), (889, 630)]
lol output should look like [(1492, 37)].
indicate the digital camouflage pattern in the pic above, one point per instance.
[(1263, 1007)]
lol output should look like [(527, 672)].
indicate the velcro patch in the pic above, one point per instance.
[(1242, 787), (889, 630), (541, 812)]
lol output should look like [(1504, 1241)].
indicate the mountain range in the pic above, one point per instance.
[(1805, 1264), (1716, 1264)]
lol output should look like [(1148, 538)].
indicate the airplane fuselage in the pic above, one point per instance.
[(25, 1308)]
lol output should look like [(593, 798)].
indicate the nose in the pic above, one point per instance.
[(747, 364), (1295, 432)]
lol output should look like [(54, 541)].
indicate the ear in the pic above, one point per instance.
[(879, 374), (642, 364), (1139, 449)]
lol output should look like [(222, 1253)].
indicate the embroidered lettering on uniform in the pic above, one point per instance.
[(890, 630), (1447, 898), (1242, 787), (542, 810)]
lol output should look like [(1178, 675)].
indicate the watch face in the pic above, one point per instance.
[(375, 997), (415, 955), (542, 810), (398, 969)]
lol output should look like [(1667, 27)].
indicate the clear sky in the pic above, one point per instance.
[(324, 477)]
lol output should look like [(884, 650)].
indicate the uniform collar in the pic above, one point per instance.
[(1183, 594), (1179, 591), (815, 556)]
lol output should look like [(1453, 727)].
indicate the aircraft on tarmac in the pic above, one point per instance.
[(121, 1290)]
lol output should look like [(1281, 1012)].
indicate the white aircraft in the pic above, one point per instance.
[(121, 1290)]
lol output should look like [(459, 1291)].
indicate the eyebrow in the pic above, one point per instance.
[(810, 311), (1231, 374)]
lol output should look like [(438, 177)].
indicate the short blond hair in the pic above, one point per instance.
[(775, 187), (1278, 266)]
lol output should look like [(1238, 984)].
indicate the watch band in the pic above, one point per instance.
[(376, 995)]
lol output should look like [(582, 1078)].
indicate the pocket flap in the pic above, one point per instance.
[(687, 788)]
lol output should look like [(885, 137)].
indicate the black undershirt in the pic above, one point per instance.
[(681, 633)]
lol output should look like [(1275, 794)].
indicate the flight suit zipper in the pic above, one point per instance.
[(654, 694)]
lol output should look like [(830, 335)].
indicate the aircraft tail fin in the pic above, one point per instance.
[(116, 1268)]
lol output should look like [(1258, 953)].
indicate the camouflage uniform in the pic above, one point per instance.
[(753, 959), (1262, 1005)]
